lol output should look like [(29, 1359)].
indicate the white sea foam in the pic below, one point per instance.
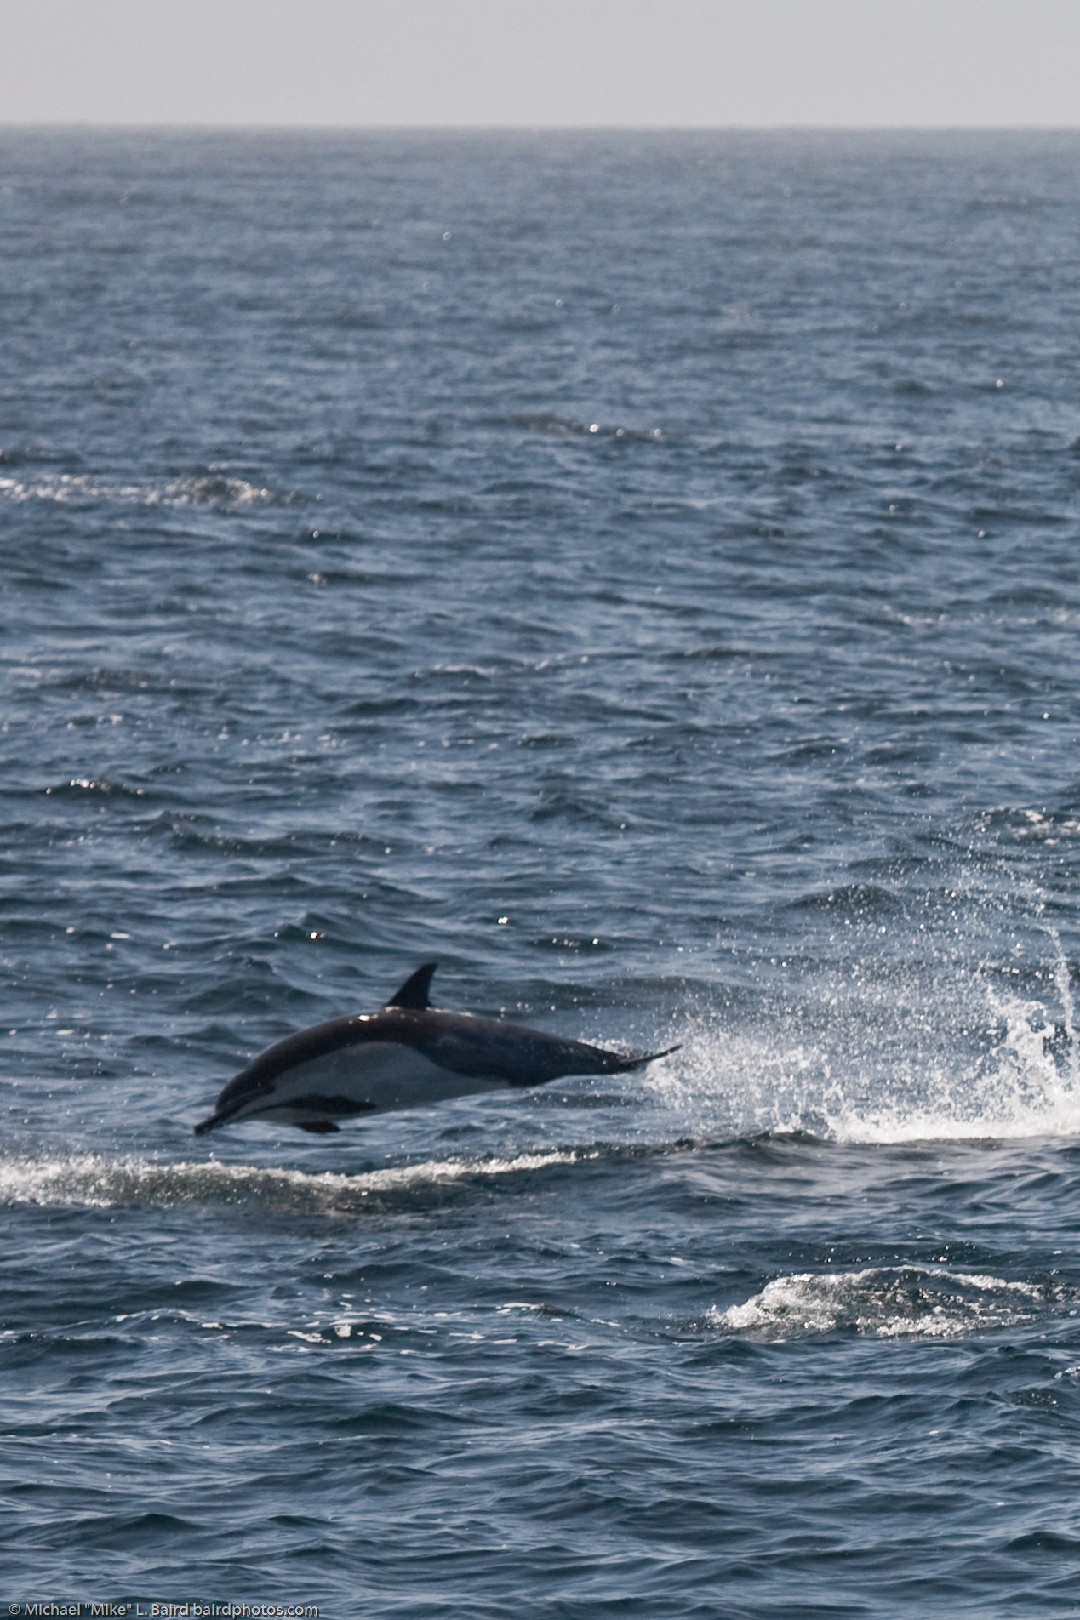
[(886, 1302)]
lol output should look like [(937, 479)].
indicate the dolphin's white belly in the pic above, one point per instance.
[(372, 1075)]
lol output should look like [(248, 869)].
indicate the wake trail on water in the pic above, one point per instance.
[(843, 1082), (902, 1037)]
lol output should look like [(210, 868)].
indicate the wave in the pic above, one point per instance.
[(96, 1180), (79, 489), (889, 1302)]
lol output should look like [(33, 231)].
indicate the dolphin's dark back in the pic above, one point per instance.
[(492, 1049)]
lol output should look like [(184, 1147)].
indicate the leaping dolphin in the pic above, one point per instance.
[(404, 1055)]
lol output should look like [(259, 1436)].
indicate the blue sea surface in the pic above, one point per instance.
[(639, 572)]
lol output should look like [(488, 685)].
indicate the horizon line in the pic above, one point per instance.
[(463, 128)]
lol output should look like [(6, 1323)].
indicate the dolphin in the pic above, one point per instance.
[(402, 1056)]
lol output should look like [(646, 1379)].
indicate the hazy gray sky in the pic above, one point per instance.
[(541, 62)]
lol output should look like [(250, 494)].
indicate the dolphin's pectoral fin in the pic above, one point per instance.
[(338, 1107), (414, 992)]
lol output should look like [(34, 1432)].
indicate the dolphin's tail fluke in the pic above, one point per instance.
[(651, 1057)]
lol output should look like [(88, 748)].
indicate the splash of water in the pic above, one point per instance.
[(896, 1057)]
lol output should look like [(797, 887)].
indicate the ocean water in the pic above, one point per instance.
[(640, 573)]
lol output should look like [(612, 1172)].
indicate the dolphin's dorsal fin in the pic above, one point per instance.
[(414, 992)]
